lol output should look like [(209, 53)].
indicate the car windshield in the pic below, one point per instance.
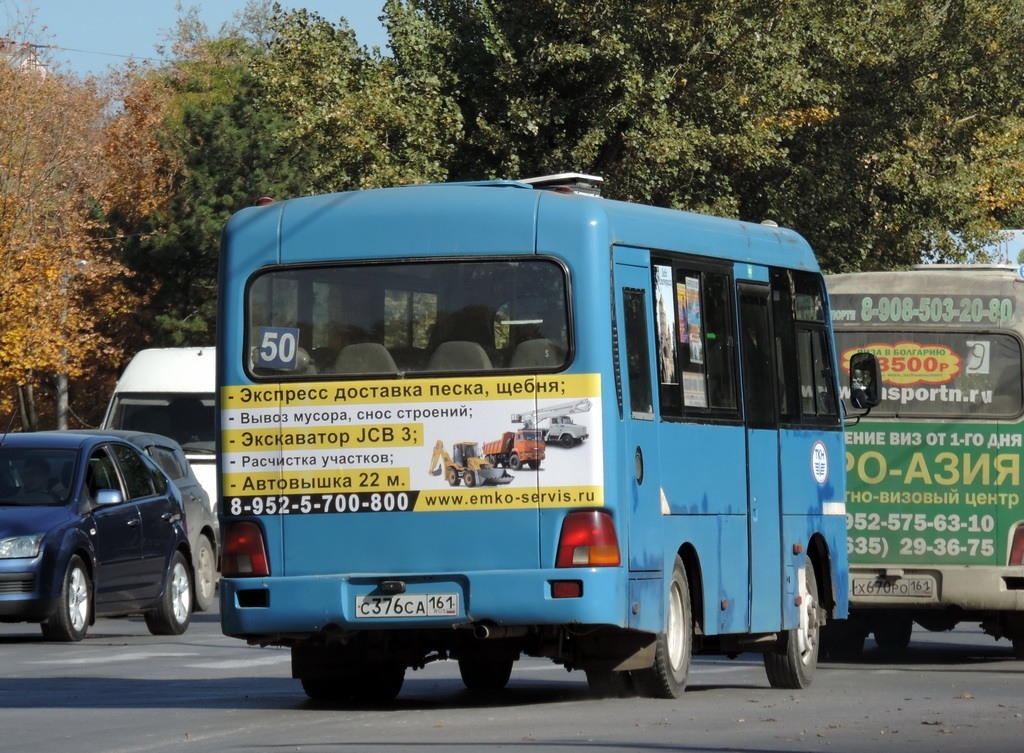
[(186, 418), (36, 476)]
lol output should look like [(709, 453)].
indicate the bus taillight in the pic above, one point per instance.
[(244, 553), (1017, 547), (588, 539)]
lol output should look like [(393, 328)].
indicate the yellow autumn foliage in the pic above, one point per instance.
[(68, 153)]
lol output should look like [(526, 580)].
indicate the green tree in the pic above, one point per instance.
[(228, 143), (371, 120), (920, 95), (866, 128)]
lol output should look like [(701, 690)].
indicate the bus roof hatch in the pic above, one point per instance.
[(589, 185)]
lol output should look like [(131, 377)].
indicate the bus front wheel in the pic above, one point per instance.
[(794, 669)]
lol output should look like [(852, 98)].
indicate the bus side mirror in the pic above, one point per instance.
[(865, 381)]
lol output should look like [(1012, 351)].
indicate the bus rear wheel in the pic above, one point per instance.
[(1018, 647), (364, 685), (667, 677), (479, 673), (606, 683), (795, 668), (894, 633)]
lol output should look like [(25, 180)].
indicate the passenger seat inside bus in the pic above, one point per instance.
[(459, 355), (537, 353), (365, 358)]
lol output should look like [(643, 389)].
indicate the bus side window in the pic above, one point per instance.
[(806, 373), (641, 402), (696, 344)]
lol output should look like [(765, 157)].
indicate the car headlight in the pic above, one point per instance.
[(20, 546)]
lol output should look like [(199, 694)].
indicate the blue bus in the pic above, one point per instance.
[(383, 354)]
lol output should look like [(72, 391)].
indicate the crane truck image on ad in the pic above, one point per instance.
[(330, 448)]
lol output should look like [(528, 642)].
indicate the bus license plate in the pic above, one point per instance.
[(911, 586), (408, 605)]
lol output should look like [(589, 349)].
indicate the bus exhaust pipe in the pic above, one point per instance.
[(488, 630)]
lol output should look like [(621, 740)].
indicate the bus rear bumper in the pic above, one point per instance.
[(968, 588), (255, 607)]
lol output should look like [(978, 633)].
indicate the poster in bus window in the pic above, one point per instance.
[(682, 325), (693, 317), (695, 391), (665, 323), (978, 356)]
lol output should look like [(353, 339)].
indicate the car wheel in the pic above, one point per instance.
[(71, 620), (206, 573), (174, 610)]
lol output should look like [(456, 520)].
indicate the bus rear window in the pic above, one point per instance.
[(386, 319), (942, 373)]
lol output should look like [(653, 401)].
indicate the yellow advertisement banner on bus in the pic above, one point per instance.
[(430, 445)]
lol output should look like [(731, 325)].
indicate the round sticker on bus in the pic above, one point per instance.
[(819, 462)]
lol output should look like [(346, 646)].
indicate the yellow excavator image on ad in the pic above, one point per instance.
[(466, 465)]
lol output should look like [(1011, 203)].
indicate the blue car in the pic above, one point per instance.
[(90, 526)]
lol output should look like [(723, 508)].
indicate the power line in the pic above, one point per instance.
[(106, 54)]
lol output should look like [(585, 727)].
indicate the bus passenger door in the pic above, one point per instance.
[(641, 479), (761, 418)]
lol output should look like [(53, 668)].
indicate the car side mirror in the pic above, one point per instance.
[(107, 497), (865, 381)]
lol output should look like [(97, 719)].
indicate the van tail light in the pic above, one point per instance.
[(1017, 547), (588, 539), (244, 552)]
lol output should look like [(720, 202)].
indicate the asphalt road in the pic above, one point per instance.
[(124, 691)]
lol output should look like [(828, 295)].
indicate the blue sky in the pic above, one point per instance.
[(98, 34)]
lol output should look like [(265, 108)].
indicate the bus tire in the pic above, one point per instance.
[(1018, 647), (795, 668), (893, 633), (381, 683), (667, 677), (842, 640), (485, 674), (607, 683), (328, 691)]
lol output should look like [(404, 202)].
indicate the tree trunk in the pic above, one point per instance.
[(62, 401), (27, 407)]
